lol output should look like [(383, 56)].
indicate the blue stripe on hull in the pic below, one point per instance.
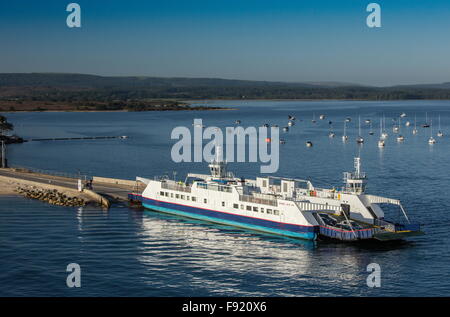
[(289, 230)]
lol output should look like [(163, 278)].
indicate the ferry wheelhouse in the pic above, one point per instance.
[(277, 205)]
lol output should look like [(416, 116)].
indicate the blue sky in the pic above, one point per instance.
[(243, 39)]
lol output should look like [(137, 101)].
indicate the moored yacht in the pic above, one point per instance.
[(440, 133), (359, 139)]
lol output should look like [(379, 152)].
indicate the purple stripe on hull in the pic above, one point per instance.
[(232, 217)]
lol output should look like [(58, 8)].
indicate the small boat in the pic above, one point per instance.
[(400, 138), (291, 123), (403, 115), (381, 143), (124, 137), (285, 129), (368, 121), (407, 123), (348, 119), (331, 134), (309, 144), (345, 138), (237, 122), (395, 129), (291, 117), (322, 117), (265, 125), (282, 141)]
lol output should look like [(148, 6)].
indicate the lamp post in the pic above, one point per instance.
[(3, 154)]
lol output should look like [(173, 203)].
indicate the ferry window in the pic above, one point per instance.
[(249, 208), (182, 196), (205, 201), (161, 193), (223, 204), (166, 194), (285, 187), (269, 211), (194, 198), (177, 196), (171, 195), (264, 183), (276, 212), (255, 209), (262, 209), (242, 207), (187, 197), (235, 206)]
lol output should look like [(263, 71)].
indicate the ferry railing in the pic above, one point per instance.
[(177, 187), (256, 200), (216, 187), (307, 206)]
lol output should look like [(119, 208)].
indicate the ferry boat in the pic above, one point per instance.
[(277, 205)]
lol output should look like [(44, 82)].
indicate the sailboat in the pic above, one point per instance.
[(400, 137), (331, 134), (440, 133), (384, 135), (431, 140), (415, 125), (359, 139), (426, 125), (395, 128), (381, 142), (345, 136)]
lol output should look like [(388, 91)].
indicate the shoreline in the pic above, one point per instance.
[(94, 111)]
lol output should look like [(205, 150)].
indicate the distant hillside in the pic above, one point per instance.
[(80, 91), (93, 81)]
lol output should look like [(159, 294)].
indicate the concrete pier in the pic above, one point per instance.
[(105, 191)]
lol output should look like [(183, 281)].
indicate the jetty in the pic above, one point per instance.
[(64, 189)]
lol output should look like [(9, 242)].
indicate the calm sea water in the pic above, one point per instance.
[(126, 252)]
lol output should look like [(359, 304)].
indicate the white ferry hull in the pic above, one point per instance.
[(246, 222)]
